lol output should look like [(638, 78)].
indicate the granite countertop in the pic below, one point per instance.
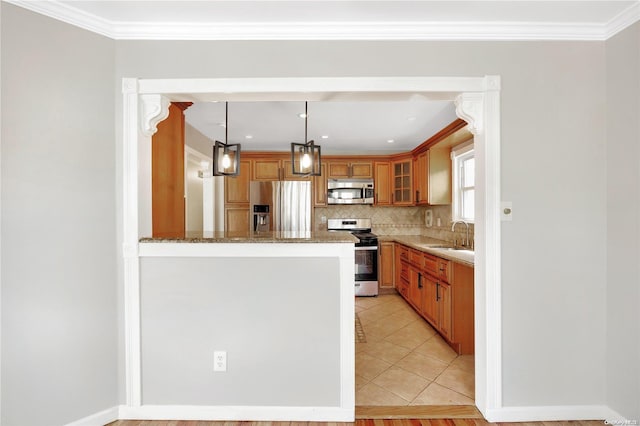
[(433, 246), (256, 237)]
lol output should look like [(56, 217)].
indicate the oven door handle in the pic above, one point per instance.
[(367, 248)]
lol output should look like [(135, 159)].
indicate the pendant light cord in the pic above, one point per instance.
[(306, 117), (226, 123)]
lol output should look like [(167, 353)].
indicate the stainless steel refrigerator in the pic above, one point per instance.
[(280, 206)]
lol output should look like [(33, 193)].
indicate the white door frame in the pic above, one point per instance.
[(477, 100)]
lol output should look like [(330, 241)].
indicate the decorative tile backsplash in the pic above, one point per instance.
[(398, 220)]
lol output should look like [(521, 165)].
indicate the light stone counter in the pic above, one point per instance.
[(257, 237), (432, 246)]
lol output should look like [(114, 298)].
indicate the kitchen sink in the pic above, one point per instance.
[(449, 248)]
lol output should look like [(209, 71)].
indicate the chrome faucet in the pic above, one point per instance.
[(453, 227)]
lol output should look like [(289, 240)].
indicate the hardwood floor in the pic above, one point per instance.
[(363, 422)]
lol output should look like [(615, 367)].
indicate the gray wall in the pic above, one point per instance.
[(623, 222), (277, 318), (559, 315), (59, 310), (553, 145)]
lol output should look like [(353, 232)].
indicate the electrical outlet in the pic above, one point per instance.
[(220, 361)]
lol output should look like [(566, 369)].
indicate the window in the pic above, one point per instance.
[(463, 183)]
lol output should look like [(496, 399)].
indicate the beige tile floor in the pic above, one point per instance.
[(405, 361)]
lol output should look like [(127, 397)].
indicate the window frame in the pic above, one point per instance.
[(460, 154)]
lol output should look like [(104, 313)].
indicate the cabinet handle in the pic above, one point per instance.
[(437, 292), (419, 280), (417, 195)]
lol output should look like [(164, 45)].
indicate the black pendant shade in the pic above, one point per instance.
[(226, 157), (305, 157)]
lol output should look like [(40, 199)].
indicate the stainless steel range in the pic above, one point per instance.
[(366, 253)]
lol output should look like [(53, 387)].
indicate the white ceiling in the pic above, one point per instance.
[(350, 127), (342, 20)]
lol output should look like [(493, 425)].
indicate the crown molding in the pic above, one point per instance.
[(626, 18), (68, 14), (418, 30)]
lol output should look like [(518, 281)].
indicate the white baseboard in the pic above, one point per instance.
[(196, 412), (98, 419), (551, 413)]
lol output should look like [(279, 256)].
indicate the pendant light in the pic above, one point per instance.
[(305, 157), (226, 157)]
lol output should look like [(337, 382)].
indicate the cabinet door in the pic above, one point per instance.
[(386, 265), (287, 172), (415, 287), (402, 183), (421, 178), (381, 183), (338, 169), (362, 170), (439, 176), (443, 295), (236, 219), (236, 188), (266, 169), (320, 187), (429, 300)]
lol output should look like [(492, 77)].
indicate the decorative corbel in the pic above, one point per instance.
[(153, 109), (470, 107)]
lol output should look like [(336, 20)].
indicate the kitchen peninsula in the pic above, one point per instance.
[(279, 305)]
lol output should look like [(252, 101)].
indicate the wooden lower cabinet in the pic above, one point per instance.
[(386, 277), (415, 288), (401, 269), (462, 309), (443, 298), (429, 301), (441, 291)]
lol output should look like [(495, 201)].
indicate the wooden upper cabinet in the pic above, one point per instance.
[(420, 182), (432, 176), (167, 174), (274, 168), (320, 187), (350, 169), (439, 175), (236, 188), (382, 186), (267, 169), (287, 172), (402, 182)]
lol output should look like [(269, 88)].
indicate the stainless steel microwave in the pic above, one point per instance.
[(350, 191)]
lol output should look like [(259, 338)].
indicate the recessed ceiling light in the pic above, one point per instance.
[(223, 125), (325, 136), (249, 137), (391, 140), (302, 115)]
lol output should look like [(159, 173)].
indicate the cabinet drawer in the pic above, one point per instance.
[(416, 257), (404, 270), (437, 267), (403, 288), (404, 253)]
